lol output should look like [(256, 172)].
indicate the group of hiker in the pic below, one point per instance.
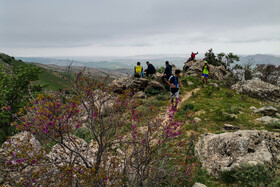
[(171, 80), (139, 72)]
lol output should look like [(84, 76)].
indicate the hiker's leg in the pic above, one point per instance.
[(172, 98), (202, 79), (177, 98), (206, 78)]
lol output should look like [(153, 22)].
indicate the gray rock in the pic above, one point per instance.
[(60, 154), (197, 120), (216, 72), (154, 85), (268, 119), (253, 108), (225, 151), (266, 111), (258, 89), (2, 179), (277, 115), (197, 184), (230, 127), (140, 94), (234, 116), (214, 85), (190, 83), (125, 83)]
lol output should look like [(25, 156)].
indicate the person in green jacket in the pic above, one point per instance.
[(205, 72)]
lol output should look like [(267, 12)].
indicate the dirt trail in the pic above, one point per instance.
[(183, 99)]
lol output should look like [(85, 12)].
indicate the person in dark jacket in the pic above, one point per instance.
[(167, 72), (151, 69)]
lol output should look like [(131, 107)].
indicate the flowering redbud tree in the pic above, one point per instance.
[(128, 145)]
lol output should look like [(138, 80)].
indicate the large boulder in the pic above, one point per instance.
[(258, 89), (216, 72), (136, 84), (154, 85), (125, 83), (225, 151)]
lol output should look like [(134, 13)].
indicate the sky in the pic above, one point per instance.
[(49, 28)]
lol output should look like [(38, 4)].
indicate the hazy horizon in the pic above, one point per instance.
[(127, 28)]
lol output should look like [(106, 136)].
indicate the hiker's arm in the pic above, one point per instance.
[(173, 86), (196, 53)]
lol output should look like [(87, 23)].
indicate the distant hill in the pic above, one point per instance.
[(127, 63), (261, 59)]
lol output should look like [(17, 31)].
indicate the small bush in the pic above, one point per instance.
[(161, 69), (188, 106), (229, 95), (220, 116), (162, 97), (152, 91), (274, 125), (248, 175)]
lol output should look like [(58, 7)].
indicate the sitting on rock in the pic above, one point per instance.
[(150, 70), (138, 70), (205, 72), (192, 56), (174, 84), (167, 72)]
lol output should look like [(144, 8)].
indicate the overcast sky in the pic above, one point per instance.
[(134, 27)]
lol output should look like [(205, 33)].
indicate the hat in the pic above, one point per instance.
[(205, 62)]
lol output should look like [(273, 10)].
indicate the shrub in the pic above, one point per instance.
[(162, 97), (132, 148), (152, 91), (229, 94), (188, 106), (274, 125), (221, 116), (248, 175)]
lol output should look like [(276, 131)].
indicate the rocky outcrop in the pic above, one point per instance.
[(258, 89), (225, 151), (154, 85), (267, 111), (216, 72), (136, 84), (62, 155), (140, 94), (125, 83), (268, 120), (16, 156)]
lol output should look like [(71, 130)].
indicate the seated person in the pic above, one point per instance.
[(138, 70), (151, 69)]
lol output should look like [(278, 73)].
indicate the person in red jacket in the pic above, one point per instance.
[(192, 56)]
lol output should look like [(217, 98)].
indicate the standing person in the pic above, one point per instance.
[(138, 70), (167, 72), (205, 72), (151, 69), (192, 56), (174, 84)]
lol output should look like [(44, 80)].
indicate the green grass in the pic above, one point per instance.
[(214, 105), (51, 81)]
